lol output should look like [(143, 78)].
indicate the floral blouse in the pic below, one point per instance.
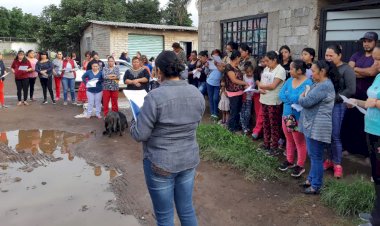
[(110, 84)]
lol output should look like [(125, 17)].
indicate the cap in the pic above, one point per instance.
[(371, 36)]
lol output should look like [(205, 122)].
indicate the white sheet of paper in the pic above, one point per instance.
[(348, 101), (217, 59), (4, 75), (92, 83), (68, 69), (211, 65), (307, 89), (251, 89), (136, 100), (297, 107), (196, 74), (23, 68)]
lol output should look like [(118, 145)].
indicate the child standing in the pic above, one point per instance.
[(224, 104), (246, 110), (2, 72)]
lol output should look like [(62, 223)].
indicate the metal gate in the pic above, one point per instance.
[(149, 45)]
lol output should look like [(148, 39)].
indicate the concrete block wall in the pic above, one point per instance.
[(289, 22), (100, 40)]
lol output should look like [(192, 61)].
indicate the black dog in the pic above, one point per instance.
[(123, 123), (112, 123)]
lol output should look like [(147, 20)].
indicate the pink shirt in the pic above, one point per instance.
[(33, 62), (234, 94)]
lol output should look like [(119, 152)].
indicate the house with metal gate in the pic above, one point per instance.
[(266, 25), (107, 37)]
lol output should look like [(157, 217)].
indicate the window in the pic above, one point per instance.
[(251, 31)]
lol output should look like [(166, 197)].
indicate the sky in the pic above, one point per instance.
[(35, 6)]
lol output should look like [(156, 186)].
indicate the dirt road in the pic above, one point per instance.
[(222, 196)]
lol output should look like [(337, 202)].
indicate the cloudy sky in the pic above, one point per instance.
[(35, 7)]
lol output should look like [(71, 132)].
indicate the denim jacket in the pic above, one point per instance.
[(167, 123)]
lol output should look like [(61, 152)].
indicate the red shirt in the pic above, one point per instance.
[(20, 74)]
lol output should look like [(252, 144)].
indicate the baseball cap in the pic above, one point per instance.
[(371, 36)]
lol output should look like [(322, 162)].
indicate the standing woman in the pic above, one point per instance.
[(213, 86), (111, 77), (57, 72), (94, 94), (202, 67), (344, 85), (44, 68), (235, 89), (246, 56), (308, 55), (316, 120), (192, 65), (68, 78), (20, 68), (31, 56), (295, 140), (285, 59), (167, 126), (82, 97), (271, 82), (257, 129)]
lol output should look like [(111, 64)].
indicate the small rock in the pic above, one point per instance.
[(29, 169), (17, 179), (306, 214), (43, 183), (142, 218), (314, 205), (84, 208)]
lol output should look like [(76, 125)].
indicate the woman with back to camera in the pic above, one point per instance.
[(167, 126), (31, 56)]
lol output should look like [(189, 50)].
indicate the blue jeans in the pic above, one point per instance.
[(315, 151), (235, 109), (164, 188), (68, 83), (245, 114), (213, 96), (336, 143), (202, 87)]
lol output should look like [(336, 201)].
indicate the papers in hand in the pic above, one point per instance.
[(136, 100), (217, 59), (297, 107), (211, 65), (4, 75), (196, 74), (92, 83), (23, 68), (251, 89), (348, 101)]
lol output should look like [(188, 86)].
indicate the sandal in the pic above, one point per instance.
[(305, 184)]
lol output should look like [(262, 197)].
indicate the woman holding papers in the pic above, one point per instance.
[(295, 140), (57, 72), (94, 82), (344, 85), (68, 74), (315, 120), (31, 56), (20, 68), (213, 84), (167, 126), (111, 76), (372, 128), (203, 71), (44, 68), (2, 78)]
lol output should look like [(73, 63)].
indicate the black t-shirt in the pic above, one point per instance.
[(136, 74), (287, 69)]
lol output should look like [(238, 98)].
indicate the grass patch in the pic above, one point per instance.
[(349, 197), (218, 144)]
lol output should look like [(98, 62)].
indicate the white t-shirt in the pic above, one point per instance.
[(271, 97)]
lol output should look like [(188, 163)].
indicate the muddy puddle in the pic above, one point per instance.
[(43, 183)]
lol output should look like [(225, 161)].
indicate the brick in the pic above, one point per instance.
[(287, 13)]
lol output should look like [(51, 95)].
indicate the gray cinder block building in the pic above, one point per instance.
[(268, 24)]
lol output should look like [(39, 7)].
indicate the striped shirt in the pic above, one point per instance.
[(316, 116)]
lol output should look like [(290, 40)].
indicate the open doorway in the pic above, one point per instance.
[(187, 47)]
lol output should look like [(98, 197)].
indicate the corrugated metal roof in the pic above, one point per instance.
[(144, 26)]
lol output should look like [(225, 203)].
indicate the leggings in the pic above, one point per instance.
[(22, 84), (47, 84), (32, 81)]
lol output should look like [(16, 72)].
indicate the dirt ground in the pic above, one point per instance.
[(222, 196)]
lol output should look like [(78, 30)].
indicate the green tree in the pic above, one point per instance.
[(176, 13), (4, 22), (144, 11)]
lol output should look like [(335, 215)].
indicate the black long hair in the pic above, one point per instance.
[(280, 57), (169, 64), (24, 60), (331, 72)]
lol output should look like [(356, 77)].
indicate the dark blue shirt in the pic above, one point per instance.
[(90, 75)]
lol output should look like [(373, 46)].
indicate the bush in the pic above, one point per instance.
[(218, 144), (350, 196)]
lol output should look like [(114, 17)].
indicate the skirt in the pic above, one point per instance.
[(82, 96), (224, 103)]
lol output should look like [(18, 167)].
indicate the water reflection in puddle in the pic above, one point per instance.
[(42, 183)]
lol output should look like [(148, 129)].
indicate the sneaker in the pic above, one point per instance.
[(286, 165), (65, 103), (57, 98), (53, 102), (274, 152), (45, 102), (366, 224), (338, 171), (297, 171), (19, 103), (328, 164), (74, 103), (365, 217), (26, 103), (87, 116), (255, 136), (263, 147), (311, 191)]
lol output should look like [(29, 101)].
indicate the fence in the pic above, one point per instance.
[(14, 39)]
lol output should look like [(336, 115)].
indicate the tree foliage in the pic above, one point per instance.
[(144, 11), (176, 13), (14, 23)]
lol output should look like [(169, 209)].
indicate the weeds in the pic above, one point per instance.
[(350, 196), (218, 144)]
